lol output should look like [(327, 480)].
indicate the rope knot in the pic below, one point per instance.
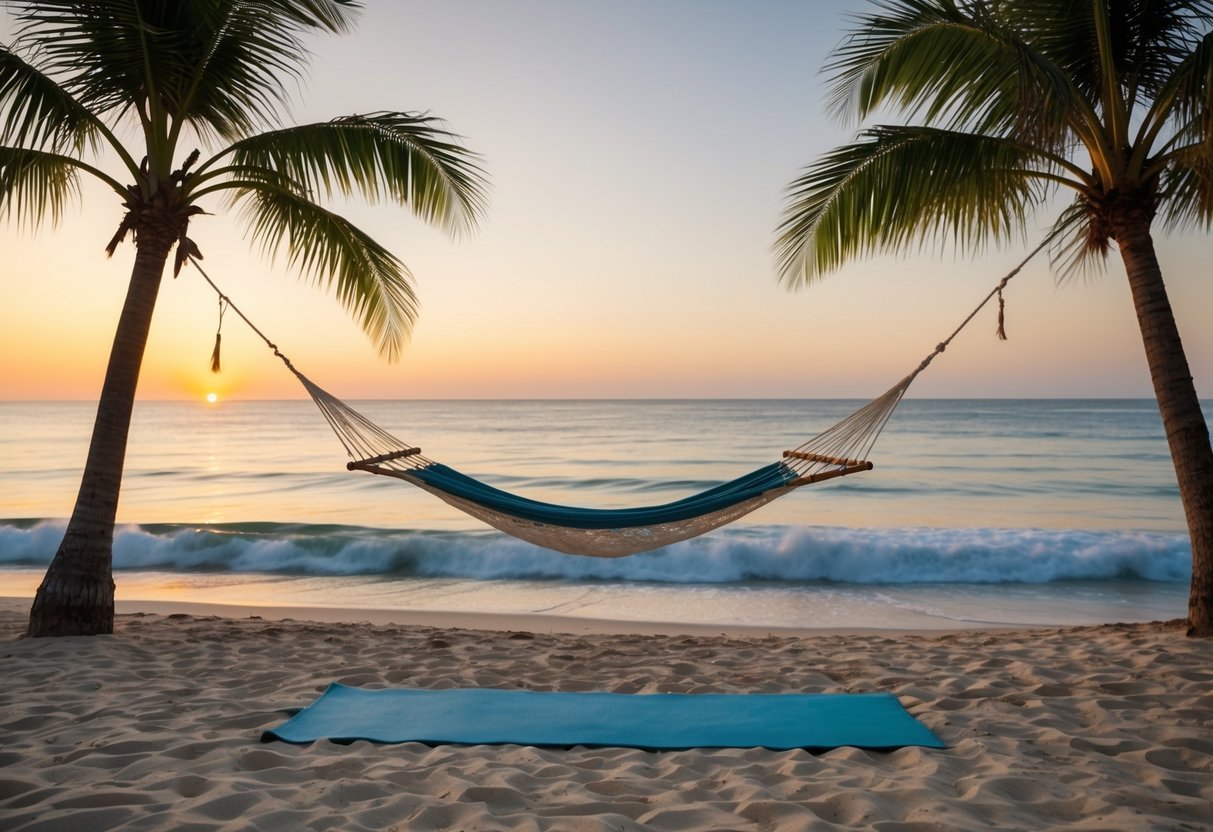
[(216, 366), (1002, 305)]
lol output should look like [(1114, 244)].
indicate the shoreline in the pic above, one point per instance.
[(159, 726), (547, 623)]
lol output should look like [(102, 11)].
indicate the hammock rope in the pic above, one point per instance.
[(838, 451)]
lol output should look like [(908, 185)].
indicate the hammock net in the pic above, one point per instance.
[(839, 451)]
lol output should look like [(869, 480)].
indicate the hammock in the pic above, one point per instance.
[(838, 451)]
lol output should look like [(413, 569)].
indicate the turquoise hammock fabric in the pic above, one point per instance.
[(650, 721), (754, 484)]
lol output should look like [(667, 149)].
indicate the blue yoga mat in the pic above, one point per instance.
[(658, 721)]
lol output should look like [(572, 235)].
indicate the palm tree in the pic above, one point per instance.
[(180, 77), (1009, 104)]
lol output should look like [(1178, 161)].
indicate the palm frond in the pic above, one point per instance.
[(1182, 159), (75, 40), (243, 57), (1081, 241), (899, 184), (957, 66), (38, 113), (371, 283), (406, 157), (35, 185), (219, 65), (1154, 38), (1187, 188), (1147, 40), (1188, 94)]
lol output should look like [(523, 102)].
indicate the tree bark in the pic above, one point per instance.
[(1182, 418), (77, 595)]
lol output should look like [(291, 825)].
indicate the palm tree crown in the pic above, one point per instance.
[(1010, 102), (215, 72)]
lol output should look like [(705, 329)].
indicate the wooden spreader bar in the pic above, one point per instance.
[(832, 460), (375, 460), (831, 474)]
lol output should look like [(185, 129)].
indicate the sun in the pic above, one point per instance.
[(211, 398)]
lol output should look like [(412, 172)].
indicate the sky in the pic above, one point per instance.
[(638, 153)]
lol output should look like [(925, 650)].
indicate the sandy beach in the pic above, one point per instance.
[(158, 727)]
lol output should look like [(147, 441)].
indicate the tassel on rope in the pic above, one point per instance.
[(1002, 304), (215, 366)]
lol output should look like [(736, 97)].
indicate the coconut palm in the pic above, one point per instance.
[(1009, 104), (184, 100)]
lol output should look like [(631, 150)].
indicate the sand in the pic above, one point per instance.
[(158, 727)]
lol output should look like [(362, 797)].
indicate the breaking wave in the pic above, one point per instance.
[(752, 553)]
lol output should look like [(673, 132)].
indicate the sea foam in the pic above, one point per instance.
[(753, 553)]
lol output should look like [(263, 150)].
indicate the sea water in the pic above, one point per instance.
[(977, 511)]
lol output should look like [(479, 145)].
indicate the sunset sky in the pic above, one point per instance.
[(638, 153)]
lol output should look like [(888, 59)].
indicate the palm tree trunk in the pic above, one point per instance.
[(77, 595), (1184, 423)]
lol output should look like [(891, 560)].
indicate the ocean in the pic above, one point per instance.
[(1005, 512)]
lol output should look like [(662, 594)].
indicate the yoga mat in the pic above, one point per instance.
[(658, 721)]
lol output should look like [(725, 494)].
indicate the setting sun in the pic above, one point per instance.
[(211, 398)]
